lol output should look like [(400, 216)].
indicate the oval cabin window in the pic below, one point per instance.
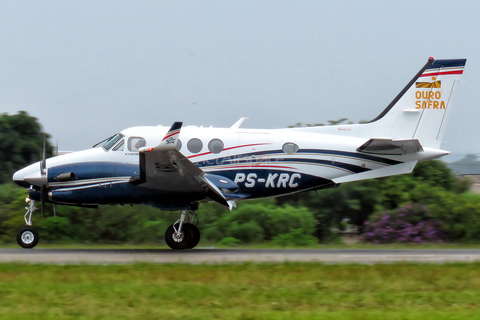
[(290, 147), (194, 145), (215, 146)]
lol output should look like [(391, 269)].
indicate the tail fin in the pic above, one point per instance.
[(421, 109)]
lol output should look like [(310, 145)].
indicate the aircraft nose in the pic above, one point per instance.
[(28, 176), (18, 178)]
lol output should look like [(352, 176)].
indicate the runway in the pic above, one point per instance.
[(223, 256)]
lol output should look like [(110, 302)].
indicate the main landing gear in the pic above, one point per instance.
[(27, 236), (183, 234)]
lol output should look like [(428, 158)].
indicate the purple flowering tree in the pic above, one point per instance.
[(409, 224)]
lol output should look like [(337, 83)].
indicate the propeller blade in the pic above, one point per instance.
[(43, 163), (43, 170)]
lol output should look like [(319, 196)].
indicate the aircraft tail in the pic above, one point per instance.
[(421, 109)]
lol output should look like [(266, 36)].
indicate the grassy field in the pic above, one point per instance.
[(241, 291)]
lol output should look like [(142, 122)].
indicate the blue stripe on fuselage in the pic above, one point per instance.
[(93, 170)]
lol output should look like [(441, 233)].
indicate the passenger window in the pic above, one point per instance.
[(135, 143), (195, 145), (290, 147), (215, 146), (179, 144)]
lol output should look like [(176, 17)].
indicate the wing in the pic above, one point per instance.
[(167, 170), (390, 147)]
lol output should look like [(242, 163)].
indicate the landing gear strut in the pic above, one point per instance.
[(27, 236), (183, 234)]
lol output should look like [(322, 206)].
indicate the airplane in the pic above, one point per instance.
[(178, 168)]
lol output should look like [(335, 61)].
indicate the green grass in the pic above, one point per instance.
[(240, 291)]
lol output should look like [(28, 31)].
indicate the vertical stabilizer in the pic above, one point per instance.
[(421, 109)]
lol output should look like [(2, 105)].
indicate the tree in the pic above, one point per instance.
[(254, 221), (430, 183), (21, 143)]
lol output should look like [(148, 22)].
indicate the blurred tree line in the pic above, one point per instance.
[(21, 143), (299, 219)]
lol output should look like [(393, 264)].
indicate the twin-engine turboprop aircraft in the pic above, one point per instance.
[(178, 168)]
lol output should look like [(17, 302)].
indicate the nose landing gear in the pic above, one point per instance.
[(183, 235), (27, 236)]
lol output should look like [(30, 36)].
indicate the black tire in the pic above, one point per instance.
[(178, 244), (195, 235), (27, 237)]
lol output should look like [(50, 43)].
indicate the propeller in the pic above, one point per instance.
[(43, 163), (39, 179), (43, 172)]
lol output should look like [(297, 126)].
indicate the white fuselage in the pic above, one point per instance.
[(247, 152)]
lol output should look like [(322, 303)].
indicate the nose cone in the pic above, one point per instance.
[(30, 175)]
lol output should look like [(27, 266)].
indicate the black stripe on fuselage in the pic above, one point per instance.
[(245, 158), (353, 155)]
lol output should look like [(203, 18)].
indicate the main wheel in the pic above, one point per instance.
[(195, 239), (178, 241), (27, 237)]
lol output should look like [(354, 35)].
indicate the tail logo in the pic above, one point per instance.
[(429, 99), (434, 84), (170, 140)]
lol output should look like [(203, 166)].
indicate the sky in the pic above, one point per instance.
[(88, 69)]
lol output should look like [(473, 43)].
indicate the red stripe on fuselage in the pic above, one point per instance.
[(246, 145), (255, 166)]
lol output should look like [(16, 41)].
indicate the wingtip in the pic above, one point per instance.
[(171, 138), (176, 125)]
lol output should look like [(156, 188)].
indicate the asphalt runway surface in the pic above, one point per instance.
[(222, 256)]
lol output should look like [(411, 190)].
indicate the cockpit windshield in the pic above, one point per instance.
[(110, 141)]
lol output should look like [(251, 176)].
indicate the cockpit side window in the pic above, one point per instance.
[(135, 143), (110, 142), (119, 146)]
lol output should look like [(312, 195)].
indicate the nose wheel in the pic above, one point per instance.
[(27, 237)]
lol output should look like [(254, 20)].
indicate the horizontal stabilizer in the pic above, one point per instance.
[(390, 146), (401, 168)]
